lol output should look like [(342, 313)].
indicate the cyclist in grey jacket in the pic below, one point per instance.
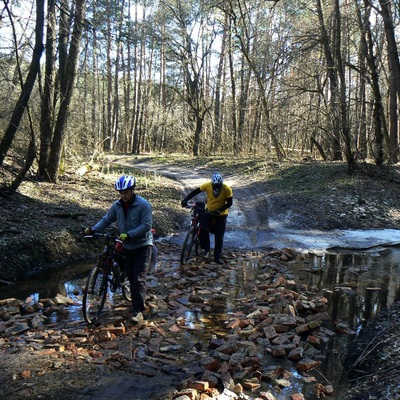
[(133, 215)]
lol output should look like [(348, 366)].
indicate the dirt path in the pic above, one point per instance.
[(263, 219), (250, 208), (249, 213)]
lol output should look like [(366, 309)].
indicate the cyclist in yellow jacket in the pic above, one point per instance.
[(219, 199)]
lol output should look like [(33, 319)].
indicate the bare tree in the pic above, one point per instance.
[(242, 26), (344, 118), (333, 80), (67, 74), (184, 49), (27, 87), (394, 68), (219, 93), (280, 77), (47, 109)]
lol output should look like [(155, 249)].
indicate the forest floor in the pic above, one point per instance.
[(40, 225)]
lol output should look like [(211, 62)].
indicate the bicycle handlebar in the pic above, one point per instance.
[(199, 205), (104, 235), (111, 235)]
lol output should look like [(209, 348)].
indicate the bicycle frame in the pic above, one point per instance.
[(107, 274), (192, 240)]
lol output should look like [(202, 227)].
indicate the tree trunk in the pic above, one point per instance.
[(47, 111), (233, 87), (197, 134), (319, 147), (27, 87), (363, 21), (108, 128), (344, 119), (29, 159), (218, 85), (244, 97), (394, 68), (378, 109), (116, 103), (335, 111), (66, 95), (136, 94)]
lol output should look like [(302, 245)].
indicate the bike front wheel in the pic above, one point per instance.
[(188, 244), (94, 294)]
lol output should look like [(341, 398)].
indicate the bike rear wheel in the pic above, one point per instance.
[(188, 244), (94, 294)]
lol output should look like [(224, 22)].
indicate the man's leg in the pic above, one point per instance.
[(204, 232), (219, 231), (137, 264)]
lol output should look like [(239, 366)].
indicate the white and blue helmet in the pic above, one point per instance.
[(217, 180), (125, 182)]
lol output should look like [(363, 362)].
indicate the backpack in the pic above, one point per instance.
[(154, 260)]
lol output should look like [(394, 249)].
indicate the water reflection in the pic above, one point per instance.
[(67, 281), (359, 285)]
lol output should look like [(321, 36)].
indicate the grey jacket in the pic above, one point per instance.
[(137, 223)]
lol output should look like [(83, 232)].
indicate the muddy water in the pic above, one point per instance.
[(68, 281), (358, 285)]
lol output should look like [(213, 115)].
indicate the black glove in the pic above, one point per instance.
[(216, 212), (184, 203)]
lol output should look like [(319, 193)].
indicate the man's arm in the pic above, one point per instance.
[(228, 204), (106, 220), (193, 193), (146, 221)]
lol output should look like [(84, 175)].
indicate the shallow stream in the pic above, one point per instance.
[(359, 274)]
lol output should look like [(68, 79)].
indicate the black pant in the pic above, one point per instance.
[(216, 225), (136, 264)]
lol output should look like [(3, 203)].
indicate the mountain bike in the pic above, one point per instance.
[(192, 240), (106, 277)]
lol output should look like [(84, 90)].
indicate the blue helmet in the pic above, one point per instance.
[(125, 182)]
